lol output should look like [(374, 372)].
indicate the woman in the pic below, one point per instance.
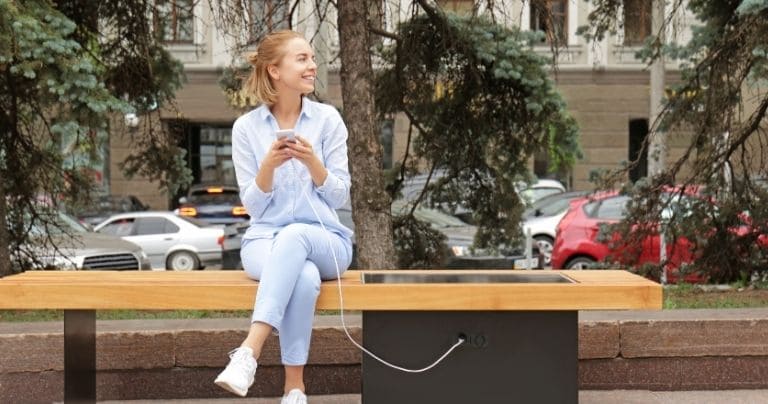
[(289, 188)]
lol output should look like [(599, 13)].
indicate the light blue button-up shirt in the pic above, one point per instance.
[(252, 137)]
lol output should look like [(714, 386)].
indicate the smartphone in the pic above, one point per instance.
[(286, 133)]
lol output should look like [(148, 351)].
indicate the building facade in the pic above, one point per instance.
[(605, 85)]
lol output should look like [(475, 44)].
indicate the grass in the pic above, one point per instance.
[(58, 315), (691, 297)]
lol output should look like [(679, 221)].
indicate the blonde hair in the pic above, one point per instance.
[(269, 52)]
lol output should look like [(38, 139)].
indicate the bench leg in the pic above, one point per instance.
[(79, 356)]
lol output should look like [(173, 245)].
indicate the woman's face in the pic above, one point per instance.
[(297, 70)]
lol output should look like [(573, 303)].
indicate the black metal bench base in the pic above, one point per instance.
[(79, 356), (526, 357), (509, 357)]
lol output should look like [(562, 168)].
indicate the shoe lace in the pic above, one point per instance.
[(242, 358)]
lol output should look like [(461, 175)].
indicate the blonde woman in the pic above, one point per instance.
[(288, 187)]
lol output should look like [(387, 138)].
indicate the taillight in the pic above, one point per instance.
[(220, 241), (188, 211), (239, 211)]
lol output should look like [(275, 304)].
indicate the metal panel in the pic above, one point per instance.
[(79, 356), (524, 357)]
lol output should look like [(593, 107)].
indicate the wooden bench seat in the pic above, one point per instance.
[(233, 290), (496, 318)]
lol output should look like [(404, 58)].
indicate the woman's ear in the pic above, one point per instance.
[(274, 72)]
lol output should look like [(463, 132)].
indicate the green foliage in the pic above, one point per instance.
[(61, 80), (483, 104), (718, 111), (418, 245)]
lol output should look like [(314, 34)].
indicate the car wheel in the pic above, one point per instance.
[(545, 245), (580, 263), (183, 261)]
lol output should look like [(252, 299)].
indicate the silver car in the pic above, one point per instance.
[(171, 242), (79, 248)]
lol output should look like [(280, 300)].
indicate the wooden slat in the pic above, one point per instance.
[(228, 290)]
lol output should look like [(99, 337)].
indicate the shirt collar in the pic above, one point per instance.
[(306, 110)]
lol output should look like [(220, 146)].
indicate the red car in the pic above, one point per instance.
[(577, 247)]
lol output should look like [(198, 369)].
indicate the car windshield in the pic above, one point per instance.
[(534, 194), (434, 217), (109, 204), (58, 223), (551, 205), (224, 197)]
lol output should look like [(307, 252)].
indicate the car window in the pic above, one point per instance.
[(54, 223), (151, 225), (437, 219), (612, 208), (171, 227), (222, 198), (556, 207), (531, 195), (214, 196), (196, 222), (71, 223), (119, 227)]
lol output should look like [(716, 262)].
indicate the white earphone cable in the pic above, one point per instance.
[(341, 308)]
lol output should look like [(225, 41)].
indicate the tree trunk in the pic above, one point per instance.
[(5, 254), (657, 145), (370, 203)]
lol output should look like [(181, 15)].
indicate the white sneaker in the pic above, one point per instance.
[(294, 396), (237, 377)]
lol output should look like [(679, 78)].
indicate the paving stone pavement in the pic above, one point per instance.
[(585, 397)]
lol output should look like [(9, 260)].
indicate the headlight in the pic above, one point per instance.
[(63, 263), (460, 250)]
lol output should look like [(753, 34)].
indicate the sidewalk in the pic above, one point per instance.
[(585, 397)]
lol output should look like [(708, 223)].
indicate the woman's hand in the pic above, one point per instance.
[(302, 151), (278, 154)]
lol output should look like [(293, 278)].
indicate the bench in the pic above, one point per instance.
[(520, 326)]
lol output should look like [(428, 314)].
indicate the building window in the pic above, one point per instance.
[(637, 21), (638, 155), (216, 155), (554, 12), (208, 151), (174, 20), (460, 7), (268, 16)]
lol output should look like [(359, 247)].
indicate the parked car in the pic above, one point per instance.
[(108, 205), (577, 245), (539, 189), (215, 204), (172, 242), (459, 239), (541, 220), (81, 249), (531, 193)]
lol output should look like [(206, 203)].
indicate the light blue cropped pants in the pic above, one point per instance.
[(289, 268)]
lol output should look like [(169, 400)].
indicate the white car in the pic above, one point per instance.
[(542, 218), (539, 189), (171, 242)]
